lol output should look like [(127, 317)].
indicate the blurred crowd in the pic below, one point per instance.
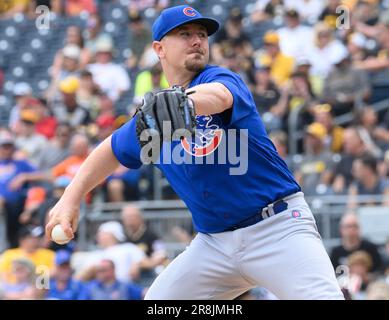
[(313, 70)]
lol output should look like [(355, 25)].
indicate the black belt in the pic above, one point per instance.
[(278, 206)]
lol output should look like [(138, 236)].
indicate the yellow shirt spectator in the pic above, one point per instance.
[(41, 257), (14, 6), (281, 65), (29, 248)]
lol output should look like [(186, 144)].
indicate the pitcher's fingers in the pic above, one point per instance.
[(49, 227), (67, 228), (75, 224)]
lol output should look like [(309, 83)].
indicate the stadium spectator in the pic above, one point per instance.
[(139, 39), (345, 86), (111, 77), (62, 284), (30, 247), (295, 38), (23, 287), (126, 256), (137, 231), (35, 198), (22, 92), (335, 133), (68, 110), (57, 149), (323, 53), (29, 143), (149, 80), (79, 150), (72, 41), (331, 13), (367, 182), (314, 169), (46, 123), (360, 265), (366, 122), (88, 94), (281, 65), (11, 200), (353, 147), (352, 242), (230, 32), (92, 34), (266, 10), (106, 286)]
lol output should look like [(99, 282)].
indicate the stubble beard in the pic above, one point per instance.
[(196, 64)]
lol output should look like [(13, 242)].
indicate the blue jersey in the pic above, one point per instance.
[(216, 198)]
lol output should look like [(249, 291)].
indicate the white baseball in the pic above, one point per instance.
[(58, 235)]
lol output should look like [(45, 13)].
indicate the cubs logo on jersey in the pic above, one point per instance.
[(207, 139)]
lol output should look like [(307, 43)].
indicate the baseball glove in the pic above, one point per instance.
[(165, 115)]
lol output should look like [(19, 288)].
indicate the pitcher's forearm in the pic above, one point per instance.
[(99, 164)]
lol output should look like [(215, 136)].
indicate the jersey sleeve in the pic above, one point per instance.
[(125, 145), (243, 103)]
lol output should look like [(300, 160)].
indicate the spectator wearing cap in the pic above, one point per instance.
[(281, 65), (295, 38), (107, 286), (345, 86), (230, 33), (22, 91), (330, 13), (126, 256), (308, 10), (68, 110), (11, 200), (111, 77), (265, 11), (314, 169), (356, 45), (23, 287), (149, 80), (30, 247), (28, 141), (62, 284), (139, 39), (70, 67), (334, 140), (367, 181)]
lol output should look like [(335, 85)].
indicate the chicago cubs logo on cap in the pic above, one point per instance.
[(296, 214), (207, 138), (190, 12)]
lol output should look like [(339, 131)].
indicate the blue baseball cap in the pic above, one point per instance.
[(62, 256), (174, 17)]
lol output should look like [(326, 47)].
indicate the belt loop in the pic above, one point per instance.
[(270, 209), (264, 214)]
